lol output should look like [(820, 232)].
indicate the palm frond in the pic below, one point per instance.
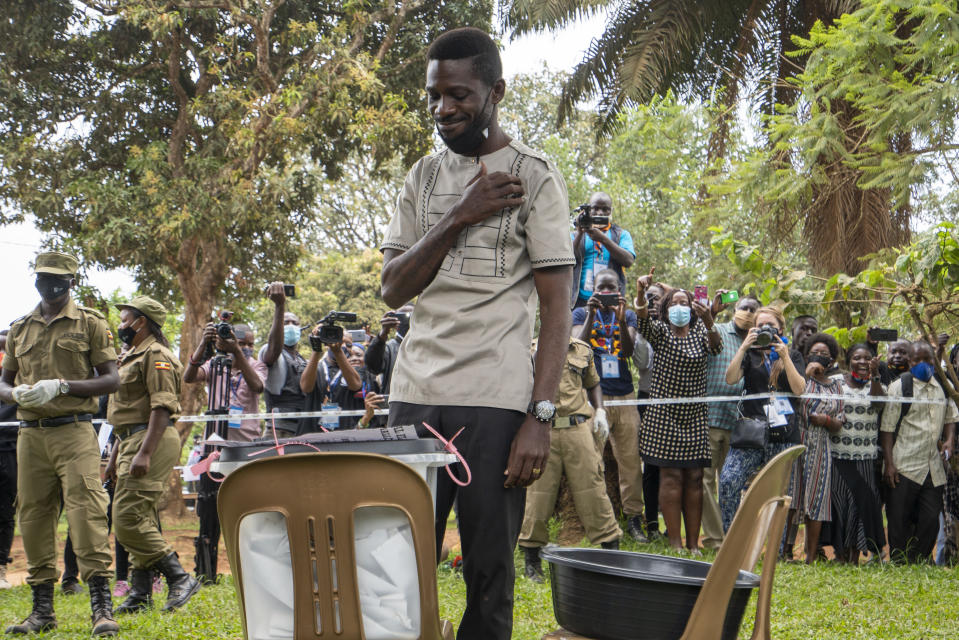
[(521, 17)]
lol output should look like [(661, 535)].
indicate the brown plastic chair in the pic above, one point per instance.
[(759, 521), (317, 493)]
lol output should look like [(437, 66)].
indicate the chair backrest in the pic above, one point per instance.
[(319, 495), (760, 520)]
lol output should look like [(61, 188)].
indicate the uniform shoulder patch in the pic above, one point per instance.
[(92, 312), (163, 365)]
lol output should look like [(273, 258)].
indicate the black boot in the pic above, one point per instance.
[(42, 617), (534, 569), (634, 527), (181, 584), (141, 592), (101, 607), (612, 544)]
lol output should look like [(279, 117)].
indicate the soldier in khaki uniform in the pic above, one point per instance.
[(48, 371), (142, 413), (573, 451)]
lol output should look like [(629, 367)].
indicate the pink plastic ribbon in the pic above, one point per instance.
[(451, 448)]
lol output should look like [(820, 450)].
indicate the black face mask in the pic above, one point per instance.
[(247, 351), (51, 287), (823, 360), (475, 133), (127, 334)]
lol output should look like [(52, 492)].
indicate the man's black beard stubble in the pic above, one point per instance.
[(475, 134)]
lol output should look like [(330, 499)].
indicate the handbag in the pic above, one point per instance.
[(749, 433)]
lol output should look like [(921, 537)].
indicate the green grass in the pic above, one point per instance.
[(822, 601)]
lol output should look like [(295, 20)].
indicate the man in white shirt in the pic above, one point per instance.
[(913, 451), (479, 229)]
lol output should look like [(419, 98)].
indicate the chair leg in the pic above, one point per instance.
[(761, 630)]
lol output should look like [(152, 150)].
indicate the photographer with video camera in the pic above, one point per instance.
[(348, 387), (381, 354), (246, 380), (598, 244)]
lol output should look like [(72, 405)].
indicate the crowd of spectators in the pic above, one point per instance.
[(864, 453)]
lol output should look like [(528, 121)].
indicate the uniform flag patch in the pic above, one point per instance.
[(165, 366)]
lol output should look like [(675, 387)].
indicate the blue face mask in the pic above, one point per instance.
[(923, 371), (291, 335), (679, 315)]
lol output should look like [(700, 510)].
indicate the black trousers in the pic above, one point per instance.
[(912, 511), (490, 516), (650, 479), (8, 494)]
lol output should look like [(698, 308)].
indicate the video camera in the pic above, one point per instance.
[(585, 219), (330, 332), (224, 330)]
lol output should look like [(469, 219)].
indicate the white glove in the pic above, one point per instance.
[(601, 424), (18, 390), (39, 394)]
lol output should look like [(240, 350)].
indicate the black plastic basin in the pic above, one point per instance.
[(621, 595)]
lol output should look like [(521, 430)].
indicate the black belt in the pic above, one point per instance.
[(56, 422), (137, 428), (563, 421)]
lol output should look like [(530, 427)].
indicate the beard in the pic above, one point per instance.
[(475, 133)]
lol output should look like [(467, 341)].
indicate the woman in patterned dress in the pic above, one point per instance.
[(819, 418), (676, 436), (856, 511)]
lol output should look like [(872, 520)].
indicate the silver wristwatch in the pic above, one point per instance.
[(544, 411), (64, 387)]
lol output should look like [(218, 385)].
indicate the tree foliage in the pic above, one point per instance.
[(694, 47), (187, 140)]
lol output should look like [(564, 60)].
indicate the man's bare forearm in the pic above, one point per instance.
[(552, 285), (406, 274)]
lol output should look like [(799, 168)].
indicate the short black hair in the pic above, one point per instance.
[(668, 299), (799, 319), (924, 345), (241, 330), (827, 340), (470, 42), (856, 347)]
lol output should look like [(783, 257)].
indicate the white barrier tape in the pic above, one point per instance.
[(608, 403)]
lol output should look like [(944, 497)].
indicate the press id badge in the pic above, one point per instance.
[(775, 418), (235, 423), (609, 365), (329, 420), (783, 406)]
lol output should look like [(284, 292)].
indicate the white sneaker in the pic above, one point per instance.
[(3, 578)]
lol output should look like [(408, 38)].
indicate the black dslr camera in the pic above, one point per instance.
[(585, 219), (224, 330), (330, 332), (766, 335)]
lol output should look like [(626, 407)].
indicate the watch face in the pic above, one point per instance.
[(544, 411)]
